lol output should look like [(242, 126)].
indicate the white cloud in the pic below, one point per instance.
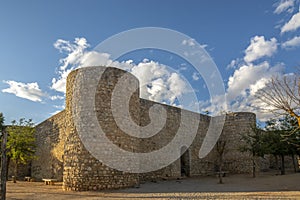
[(59, 84), (189, 42), (75, 52), (192, 42), (177, 87), (93, 58), (293, 24), (78, 56), (30, 91), (248, 78), (259, 47), (285, 5), (294, 42), (203, 46), (233, 64), (157, 82), (56, 97), (195, 76), (244, 84), (61, 107)]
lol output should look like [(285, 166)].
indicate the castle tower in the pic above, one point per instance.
[(82, 171)]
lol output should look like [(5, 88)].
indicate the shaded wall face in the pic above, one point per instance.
[(234, 160), (187, 164), (236, 125), (50, 138), (161, 139)]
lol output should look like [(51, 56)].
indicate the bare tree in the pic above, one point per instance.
[(221, 150), (282, 96)]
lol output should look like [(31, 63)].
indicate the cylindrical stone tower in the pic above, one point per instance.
[(82, 171)]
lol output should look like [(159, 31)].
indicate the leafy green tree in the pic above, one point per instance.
[(291, 132), (3, 159), (254, 144), (277, 146), (21, 142), (281, 138), (1, 122)]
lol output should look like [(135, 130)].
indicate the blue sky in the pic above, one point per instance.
[(249, 41)]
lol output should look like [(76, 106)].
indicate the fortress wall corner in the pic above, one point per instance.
[(236, 125), (50, 137)]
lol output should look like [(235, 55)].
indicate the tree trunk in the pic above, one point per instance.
[(253, 166), (3, 166), (294, 164), (7, 165), (276, 162), (15, 171), (220, 170), (282, 165)]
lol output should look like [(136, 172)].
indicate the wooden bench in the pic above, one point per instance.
[(27, 178), (49, 181)]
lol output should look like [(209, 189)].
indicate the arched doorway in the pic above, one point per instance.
[(185, 162)]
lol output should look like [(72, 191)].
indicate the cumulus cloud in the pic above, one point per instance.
[(285, 5), (30, 91), (293, 24), (189, 42), (56, 97), (294, 42), (177, 87), (158, 82), (259, 47), (195, 76), (59, 84), (233, 64), (244, 84), (192, 42), (243, 78), (74, 52)]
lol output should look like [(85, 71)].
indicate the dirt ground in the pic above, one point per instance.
[(265, 186)]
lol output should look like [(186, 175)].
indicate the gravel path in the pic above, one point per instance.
[(235, 187)]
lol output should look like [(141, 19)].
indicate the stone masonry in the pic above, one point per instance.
[(62, 155)]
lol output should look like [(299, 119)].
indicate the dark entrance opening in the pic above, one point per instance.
[(185, 162)]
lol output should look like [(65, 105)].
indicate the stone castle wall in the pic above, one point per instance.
[(81, 170), (62, 155), (50, 138)]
